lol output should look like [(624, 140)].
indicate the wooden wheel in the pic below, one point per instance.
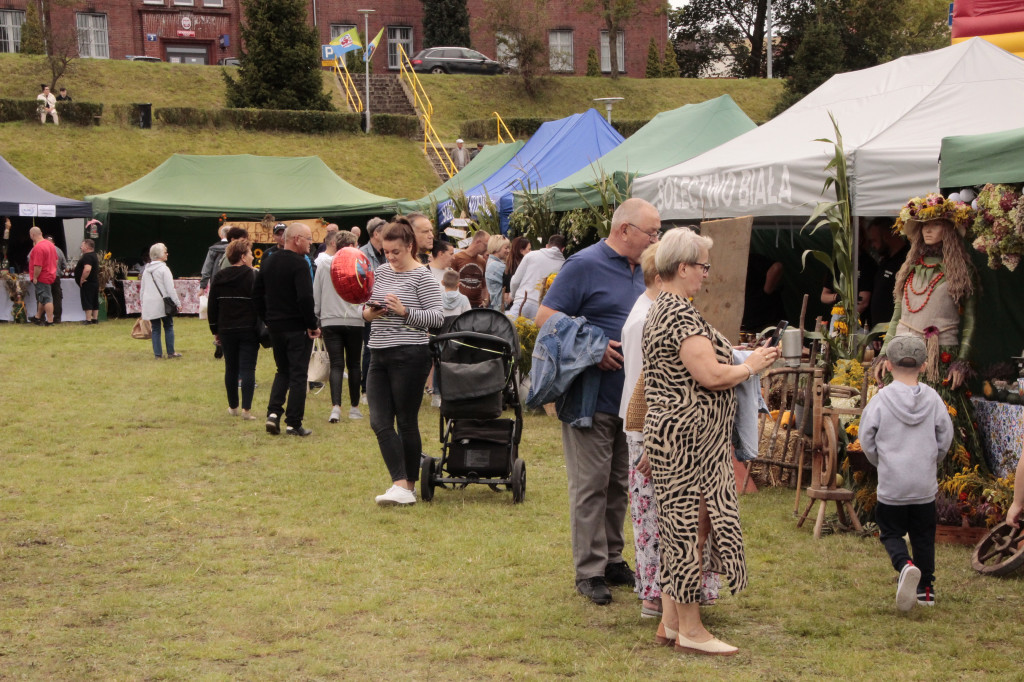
[(1001, 552)]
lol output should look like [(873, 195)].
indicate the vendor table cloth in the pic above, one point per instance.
[(71, 308), (188, 294), (1001, 426)]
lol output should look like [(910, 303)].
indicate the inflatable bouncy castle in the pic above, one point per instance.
[(1001, 22)]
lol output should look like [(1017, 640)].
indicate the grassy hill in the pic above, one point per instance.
[(75, 161)]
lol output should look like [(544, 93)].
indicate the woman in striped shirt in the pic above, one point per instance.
[(406, 302)]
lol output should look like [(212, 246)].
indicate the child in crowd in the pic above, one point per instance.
[(453, 302), (906, 431)]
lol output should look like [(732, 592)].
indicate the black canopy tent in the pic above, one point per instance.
[(27, 204)]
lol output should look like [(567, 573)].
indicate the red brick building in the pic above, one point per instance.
[(206, 31)]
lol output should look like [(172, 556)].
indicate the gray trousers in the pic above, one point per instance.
[(597, 464)]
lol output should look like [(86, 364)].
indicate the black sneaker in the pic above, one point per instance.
[(273, 424), (619, 573), (298, 431), (595, 589), (35, 320), (926, 596)]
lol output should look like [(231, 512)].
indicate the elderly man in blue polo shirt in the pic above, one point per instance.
[(601, 283)]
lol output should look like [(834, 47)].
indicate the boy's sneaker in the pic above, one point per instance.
[(354, 413), (335, 415), (273, 424), (926, 596), (396, 495), (906, 588)]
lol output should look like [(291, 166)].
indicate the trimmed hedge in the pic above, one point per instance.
[(629, 126), (398, 125), (74, 113), (261, 119), (486, 128)]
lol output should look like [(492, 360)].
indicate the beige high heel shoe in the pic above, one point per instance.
[(712, 647), (665, 636)]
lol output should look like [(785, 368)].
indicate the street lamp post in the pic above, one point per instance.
[(608, 102), (366, 62)]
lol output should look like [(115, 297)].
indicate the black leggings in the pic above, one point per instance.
[(344, 345), (241, 349), (394, 389)]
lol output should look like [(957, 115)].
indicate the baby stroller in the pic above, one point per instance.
[(475, 362)]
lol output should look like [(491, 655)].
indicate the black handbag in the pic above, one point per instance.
[(263, 334)]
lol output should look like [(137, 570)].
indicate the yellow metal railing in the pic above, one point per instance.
[(355, 102), (501, 124), (425, 109)]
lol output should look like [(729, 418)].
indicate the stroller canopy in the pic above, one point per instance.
[(487, 321)]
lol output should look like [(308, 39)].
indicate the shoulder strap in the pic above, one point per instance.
[(153, 277)]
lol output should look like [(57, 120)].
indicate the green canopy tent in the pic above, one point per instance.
[(669, 138), (967, 160), (484, 165), (179, 202)]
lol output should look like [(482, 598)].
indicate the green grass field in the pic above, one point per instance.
[(144, 534)]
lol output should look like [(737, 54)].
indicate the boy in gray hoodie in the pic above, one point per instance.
[(906, 431)]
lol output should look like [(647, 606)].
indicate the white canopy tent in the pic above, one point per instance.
[(892, 118)]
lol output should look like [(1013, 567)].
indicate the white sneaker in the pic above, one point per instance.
[(397, 495), (363, 400), (435, 400), (354, 413), (906, 589), (335, 415)]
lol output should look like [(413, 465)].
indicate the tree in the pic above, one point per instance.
[(819, 57), (669, 65), (280, 64), (32, 41), (445, 22), (593, 63), (653, 62), (519, 29), (615, 13)]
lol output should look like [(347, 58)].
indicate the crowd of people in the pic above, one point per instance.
[(46, 262)]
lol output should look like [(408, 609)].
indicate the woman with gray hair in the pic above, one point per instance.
[(688, 385), (158, 283), (498, 248)]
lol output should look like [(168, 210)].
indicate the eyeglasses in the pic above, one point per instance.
[(706, 266), (652, 236), (302, 236)]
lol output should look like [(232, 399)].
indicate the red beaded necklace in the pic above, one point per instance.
[(927, 292)]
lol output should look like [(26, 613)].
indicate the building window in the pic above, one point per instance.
[(560, 58), (398, 35), (504, 51), (152, 2), (213, 3), (92, 36), (338, 29), (620, 52), (10, 30), (185, 2)]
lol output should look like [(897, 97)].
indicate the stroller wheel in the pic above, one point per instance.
[(427, 478), (518, 480)]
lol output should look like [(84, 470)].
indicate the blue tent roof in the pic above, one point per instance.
[(558, 149)]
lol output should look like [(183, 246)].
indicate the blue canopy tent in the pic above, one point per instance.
[(558, 149)]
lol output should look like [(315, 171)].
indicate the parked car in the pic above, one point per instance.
[(229, 61), (454, 60), (142, 58)]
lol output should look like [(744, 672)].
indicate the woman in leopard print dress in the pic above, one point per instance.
[(689, 377)]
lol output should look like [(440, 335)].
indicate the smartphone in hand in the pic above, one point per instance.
[(776, 336)]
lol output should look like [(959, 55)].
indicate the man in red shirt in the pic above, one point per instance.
[(471, 264), (42, 272)]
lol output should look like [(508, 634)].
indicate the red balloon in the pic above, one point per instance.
[(352, 275)]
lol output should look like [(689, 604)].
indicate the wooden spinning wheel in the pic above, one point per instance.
[(1001, 552)]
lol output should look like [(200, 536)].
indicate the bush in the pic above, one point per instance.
[(76, 113), (629, 126), (261, 119), (398, 125), (593, 64), (486, 128)]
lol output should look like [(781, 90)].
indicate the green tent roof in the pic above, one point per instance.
[(978, 159), (484, 165), (241, 185), (669, 138)]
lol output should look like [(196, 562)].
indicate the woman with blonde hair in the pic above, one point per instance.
[(497, 252), (689, 378)]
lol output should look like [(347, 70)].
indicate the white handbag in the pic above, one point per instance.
[(204, 303), (319, 363)]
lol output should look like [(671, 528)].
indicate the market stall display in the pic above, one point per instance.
[(187, 289)]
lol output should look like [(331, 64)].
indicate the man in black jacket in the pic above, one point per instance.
[(283, 296)]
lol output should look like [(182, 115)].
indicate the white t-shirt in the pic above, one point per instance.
[(632, 350)]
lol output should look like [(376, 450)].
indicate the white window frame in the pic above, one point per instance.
[(154, 2), (93, 41), (338, 29), (620, 49), (185, 3), (213, 3), (12, 27), (394, 39), (561, 58), (502, 54)]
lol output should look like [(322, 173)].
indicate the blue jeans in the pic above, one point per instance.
[(241, 349), (168, 323), (394, 390)]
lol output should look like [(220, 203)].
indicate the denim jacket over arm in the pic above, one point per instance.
[(565, 358)]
